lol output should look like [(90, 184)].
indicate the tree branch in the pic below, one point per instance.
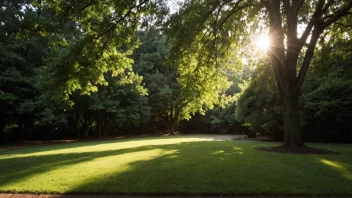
[(327, 5), (297, 4), (235, 9), (315, 18), (308, 57), (293, 49), (344, 25), (129, 12), (337, 15), (85, 7), (277, 51), (105, 43), (319, 27)]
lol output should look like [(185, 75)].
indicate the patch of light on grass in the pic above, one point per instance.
[(333, 164), (172, 156), (107, 146), (218, 152), (343, 170), (96, 168), (237, 148)]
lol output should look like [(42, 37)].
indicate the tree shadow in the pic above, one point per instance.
[(29, 166), (194, 168), (91, 143)]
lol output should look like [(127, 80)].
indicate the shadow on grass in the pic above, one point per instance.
[(30, 149), (182, 168), (20, 168)]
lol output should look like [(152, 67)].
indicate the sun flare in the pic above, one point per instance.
[(262, 43)]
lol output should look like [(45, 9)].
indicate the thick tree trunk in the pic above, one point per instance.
[(284, 58), (171, 128), (292, 128)]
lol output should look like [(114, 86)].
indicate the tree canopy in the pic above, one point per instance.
[(206, 31), (95, 68)]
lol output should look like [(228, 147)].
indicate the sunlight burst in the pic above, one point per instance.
[(263, 43)]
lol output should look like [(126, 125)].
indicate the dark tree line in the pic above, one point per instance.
[(49, 90), (97, 68)]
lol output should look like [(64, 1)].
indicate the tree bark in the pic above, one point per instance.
[(284, 58), (171, 127), (292, 128), (284, 63)]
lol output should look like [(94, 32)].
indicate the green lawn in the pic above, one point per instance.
[(169, 165)]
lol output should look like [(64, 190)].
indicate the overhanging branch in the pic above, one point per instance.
[(129, 12), (345, 10), (308, 57), (312, 22)]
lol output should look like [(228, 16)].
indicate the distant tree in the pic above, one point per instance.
[(105, 42), (168, 99), (46, 57), (221, 118), (258, 105), (122, 101), (22, 50)]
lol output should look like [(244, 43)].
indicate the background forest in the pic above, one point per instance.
[(47, 91)]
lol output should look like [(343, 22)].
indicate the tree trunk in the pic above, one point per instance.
[(106, 126), (87, 124), (284, 58), (292, 128), (171, 128), (85, 128), (99, 127)]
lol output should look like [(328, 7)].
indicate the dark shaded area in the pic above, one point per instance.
[(296, 150), (212, 123)]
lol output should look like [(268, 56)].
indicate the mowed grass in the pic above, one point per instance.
[(174, 165)]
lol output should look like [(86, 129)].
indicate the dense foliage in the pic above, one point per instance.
[(72, 77), (97, 68), (258, 105)]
